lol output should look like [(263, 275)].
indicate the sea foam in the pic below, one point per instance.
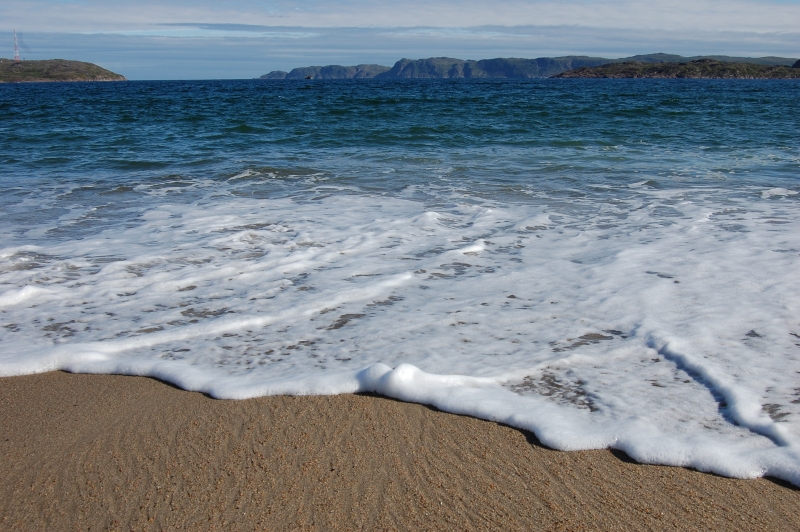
[(660, 322)]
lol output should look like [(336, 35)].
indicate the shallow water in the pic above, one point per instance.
[(608, 263)]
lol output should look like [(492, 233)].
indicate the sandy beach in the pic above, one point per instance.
[(104, 452)]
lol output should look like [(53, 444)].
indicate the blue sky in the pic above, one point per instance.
[(201, 39)]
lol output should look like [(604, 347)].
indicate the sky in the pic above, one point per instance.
[(203, 39)]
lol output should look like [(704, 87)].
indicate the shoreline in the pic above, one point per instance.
[(120, 452)]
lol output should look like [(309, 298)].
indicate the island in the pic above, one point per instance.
[(502, 68), (698, 69), (49, 70)]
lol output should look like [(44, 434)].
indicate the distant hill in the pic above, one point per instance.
[(53, 70), (329, 72), (447, 67), (671, 58), (698, 69)]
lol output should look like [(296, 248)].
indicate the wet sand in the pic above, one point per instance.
[(100, 452)]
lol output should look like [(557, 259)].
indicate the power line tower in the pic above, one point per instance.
[(16, 49)]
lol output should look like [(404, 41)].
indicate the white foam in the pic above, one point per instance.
[(777, 192), (17, 296), (660, 322)]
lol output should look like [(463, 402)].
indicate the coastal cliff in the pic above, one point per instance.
[(512, 68), (444, 67), (508, 68), (53, 70), (699, 69)]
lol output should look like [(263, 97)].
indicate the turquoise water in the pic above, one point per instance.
[(608, 263)]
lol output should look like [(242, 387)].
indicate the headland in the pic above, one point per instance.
[(49, 70)]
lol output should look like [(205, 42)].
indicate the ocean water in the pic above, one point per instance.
[(607, 263)]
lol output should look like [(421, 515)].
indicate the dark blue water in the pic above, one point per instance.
[(578, 131), (493, 138)]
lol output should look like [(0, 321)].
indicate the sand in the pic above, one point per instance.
[(101, 452)]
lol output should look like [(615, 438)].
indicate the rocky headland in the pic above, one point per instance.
[(698, 69), (509, 68), (53, 70)]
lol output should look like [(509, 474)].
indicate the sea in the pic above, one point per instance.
[(604, 263)]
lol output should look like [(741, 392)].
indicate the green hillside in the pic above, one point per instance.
[(698, 69), (53, 70)]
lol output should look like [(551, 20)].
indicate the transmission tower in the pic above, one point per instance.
[(16, 49)]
